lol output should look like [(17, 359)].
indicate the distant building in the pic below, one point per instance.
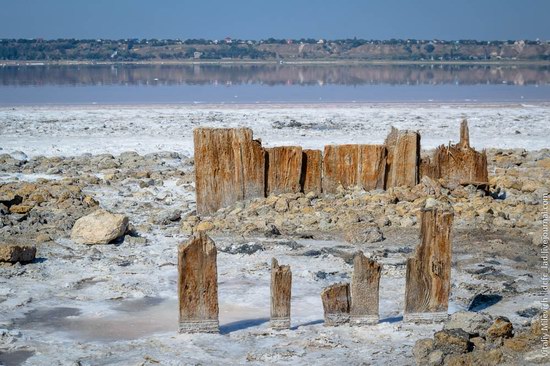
[(228, 40), (197, 54), (321, 41)]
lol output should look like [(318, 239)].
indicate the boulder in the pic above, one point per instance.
[(501, 328), (17, 253), (99, 227), (475, 324)]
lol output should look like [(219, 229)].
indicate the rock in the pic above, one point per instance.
[(99, 227), (421, 350), (359, 234), (204, 226), (20, 209), (475, 324), (281, 205), (501, 328), (17, 253), (452, 341), (281, 286), (481, 358)]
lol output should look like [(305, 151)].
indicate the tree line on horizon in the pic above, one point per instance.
[(271, 48)]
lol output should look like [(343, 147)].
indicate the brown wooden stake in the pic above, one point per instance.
[(428, 278), (365, 284), (336, 304), (198, 285), (312, 165), (284, 169), (229, 166), (281, 284), (403, 158)]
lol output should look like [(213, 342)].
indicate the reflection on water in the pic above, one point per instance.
[(272, 83), (272, 74)]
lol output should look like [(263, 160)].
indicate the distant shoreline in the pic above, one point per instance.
[(276, 62)]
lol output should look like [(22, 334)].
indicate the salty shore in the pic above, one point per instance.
[(117, 303)]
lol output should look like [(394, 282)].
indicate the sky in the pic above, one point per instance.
[(260, 19)]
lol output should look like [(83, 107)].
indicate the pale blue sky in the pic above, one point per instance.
[(256, 19)]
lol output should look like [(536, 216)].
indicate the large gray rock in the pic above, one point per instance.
[(475, 324), (17, 253), (99, 227)]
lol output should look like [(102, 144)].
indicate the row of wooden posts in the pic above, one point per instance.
[(231, 166), (426, 296)]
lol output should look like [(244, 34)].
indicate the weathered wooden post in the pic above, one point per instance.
[(281, 284), (312, 167), (428, 278), (459, 163), (229, 166), (365, 284), (354, 165), (336, 304), (403, 158), (284, 169), (198, 285)]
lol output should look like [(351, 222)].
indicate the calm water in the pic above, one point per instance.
[(129, 84)]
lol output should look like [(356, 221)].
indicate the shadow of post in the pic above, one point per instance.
[(241, 324)]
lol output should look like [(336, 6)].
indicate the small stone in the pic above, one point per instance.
[(452, 341), (100, 227), (358, 234), (17, 253), (205, 226), (20, 209), (473, 323), (281, 205), (421, 350), (501, 328)]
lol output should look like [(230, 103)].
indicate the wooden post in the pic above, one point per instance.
[(354, 165), (281, 284), (284, 169), (428, 278), (336, 304), (198, 285), (365, 284), (458, 164), (229, 166), (403, 158), (312, 165)]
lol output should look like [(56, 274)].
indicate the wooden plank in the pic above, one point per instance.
[(198, 285), (312, 165), (340, 167), (284, 169), (372, 169), (281, 289), (403, 159), (428, 276)]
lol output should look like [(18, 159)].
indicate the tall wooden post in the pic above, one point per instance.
[(198, 285), (428, 279), (281, 284), (365, 284)]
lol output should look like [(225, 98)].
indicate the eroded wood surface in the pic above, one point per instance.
[(281, 291), (403, 158), (428, 275), (229, 166), (284, 169), (365, 285), (312, 169), (336, 304), (198, 285)]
